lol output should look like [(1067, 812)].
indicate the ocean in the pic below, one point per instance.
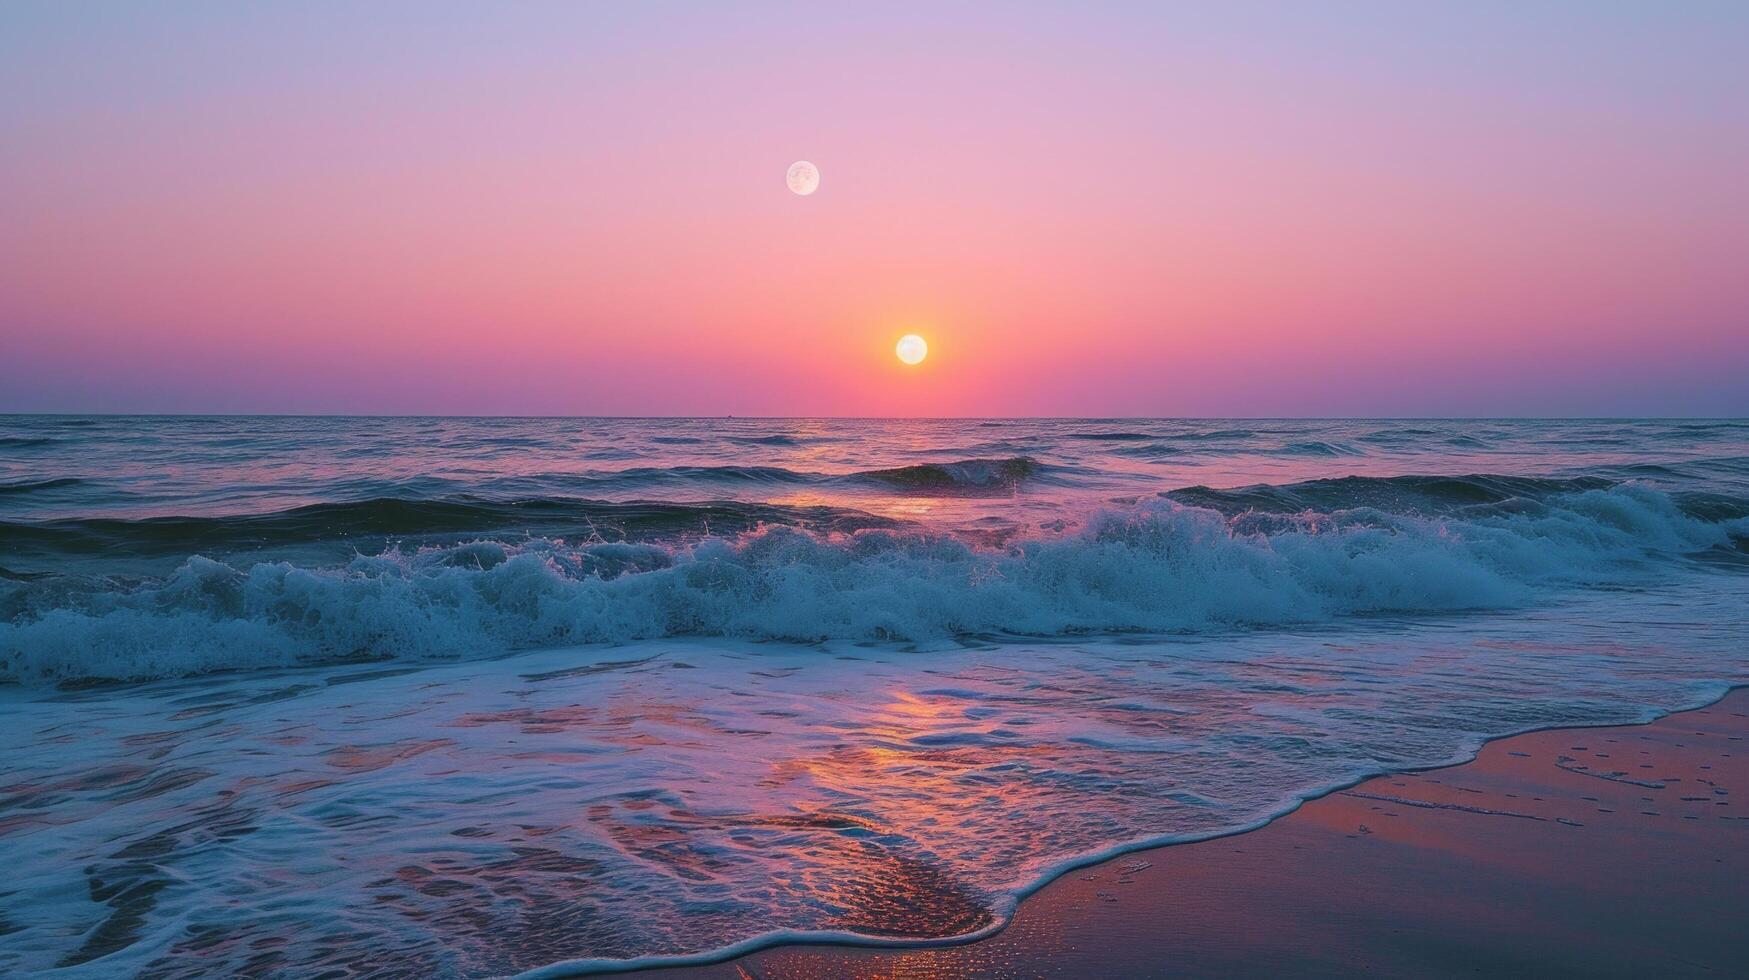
[(473, 697)]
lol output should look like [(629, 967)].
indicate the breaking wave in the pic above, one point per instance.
[(1202, 559)]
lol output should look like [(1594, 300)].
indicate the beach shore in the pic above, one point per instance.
[(1611, 851)]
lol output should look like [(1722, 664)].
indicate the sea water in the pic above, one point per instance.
[(480, 696)]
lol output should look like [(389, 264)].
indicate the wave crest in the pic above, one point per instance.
[(962, 475), (381, 518), (34, 486), (1398, 494), (1162, 565)]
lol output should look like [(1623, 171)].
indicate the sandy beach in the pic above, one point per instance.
[(1616, 851)]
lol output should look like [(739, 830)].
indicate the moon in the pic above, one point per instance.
[(803, 178), (912, 349)]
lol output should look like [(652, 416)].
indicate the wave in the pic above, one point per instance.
[(25, 442), (1152, 450), (1316, 449), (773, 440), (1423, 495), (1396, 435), (1693, 471), (968, 475), (1717, 508), (1159, 566), (1216, 435), (962, 475), (1736, 465), (662, 475), (1669, 473), (1720, 426), (33, 486), (1110, 436), (353, 522)]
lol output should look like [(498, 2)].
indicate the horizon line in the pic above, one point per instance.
[(891, 418)]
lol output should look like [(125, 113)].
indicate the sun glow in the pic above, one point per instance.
[(912, 349)]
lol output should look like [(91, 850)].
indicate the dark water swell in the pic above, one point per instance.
[(355, 523), (449, 579)]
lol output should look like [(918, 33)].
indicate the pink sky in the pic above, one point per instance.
[(1378, 208)]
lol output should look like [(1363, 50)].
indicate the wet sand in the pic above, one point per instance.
[(1596, 851)]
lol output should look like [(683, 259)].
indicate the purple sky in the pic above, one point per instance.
[(1149, 209)]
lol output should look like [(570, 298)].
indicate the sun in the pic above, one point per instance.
[(912, 349)]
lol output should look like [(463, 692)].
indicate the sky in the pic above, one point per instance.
[(1232, 209)]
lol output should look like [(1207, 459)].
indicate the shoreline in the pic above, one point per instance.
[(815, 954)]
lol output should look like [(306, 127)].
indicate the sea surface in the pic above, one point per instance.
[(471, 697)]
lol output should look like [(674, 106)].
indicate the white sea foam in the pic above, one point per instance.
[(598, 808), (1156, 566)]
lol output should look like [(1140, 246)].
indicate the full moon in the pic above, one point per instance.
[(803, 178), (912, 349)]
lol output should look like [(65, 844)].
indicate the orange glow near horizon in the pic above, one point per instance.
[(580, 211)]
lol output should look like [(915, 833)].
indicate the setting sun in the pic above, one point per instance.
[(912, 349)]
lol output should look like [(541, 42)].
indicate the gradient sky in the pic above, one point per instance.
[(1391, 208)]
